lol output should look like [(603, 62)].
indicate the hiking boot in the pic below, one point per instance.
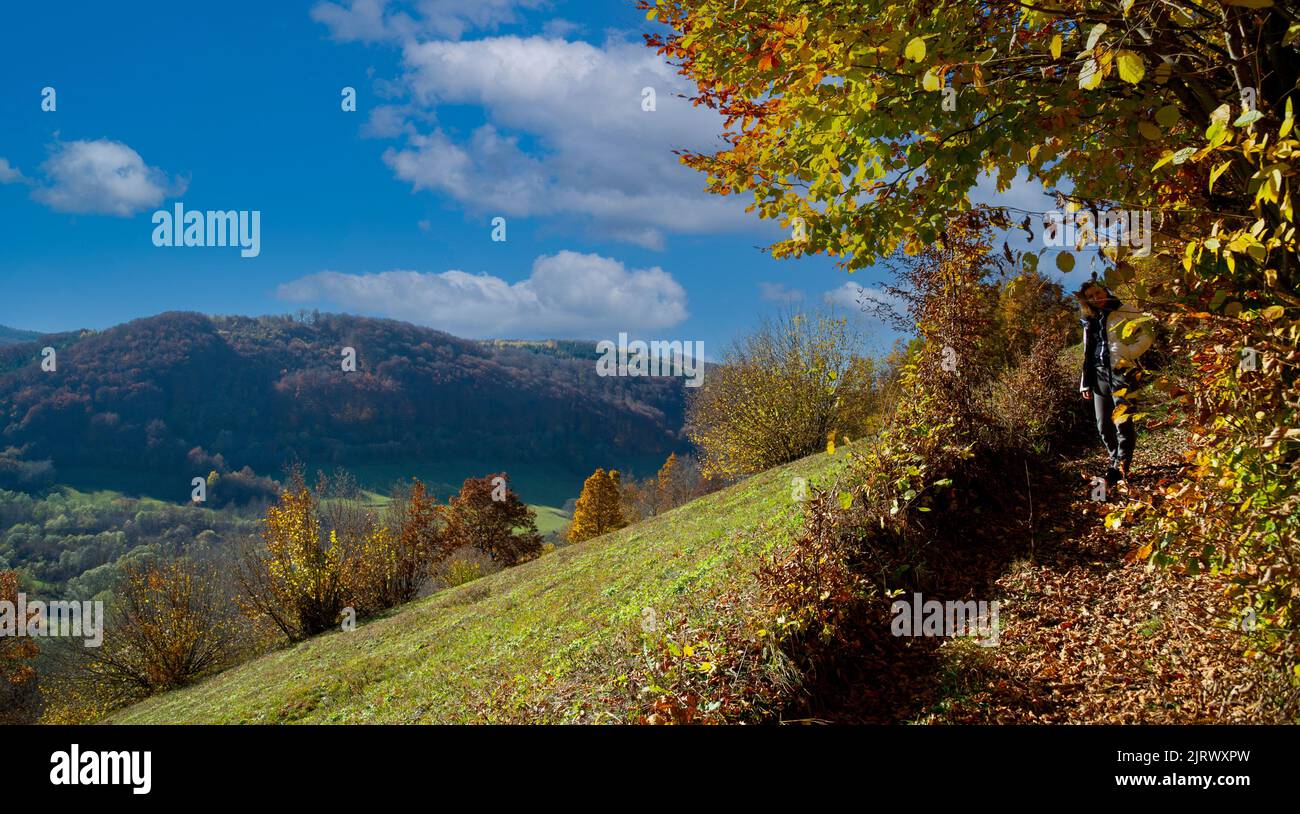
[(1112, 476)]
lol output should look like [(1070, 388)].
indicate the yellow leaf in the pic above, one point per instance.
[(1140, 554), (1131, 67), (1216, 172), (930, 81), (1149, 131), (1056, 47), (915, 50)]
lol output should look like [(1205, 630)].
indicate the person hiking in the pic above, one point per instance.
[(1106, 354)]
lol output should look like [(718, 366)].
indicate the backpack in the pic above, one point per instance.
[(1125, 350)]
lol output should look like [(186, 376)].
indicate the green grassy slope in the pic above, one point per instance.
[(547, 641)]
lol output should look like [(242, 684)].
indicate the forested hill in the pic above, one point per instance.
[(167, 393), (13, 336)]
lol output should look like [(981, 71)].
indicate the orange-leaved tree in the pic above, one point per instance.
[(598, 510)]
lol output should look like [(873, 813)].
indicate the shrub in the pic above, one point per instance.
[(296, 582), (460, 572), (421, 542), (779, 395), (1033, 401), (170, 623)]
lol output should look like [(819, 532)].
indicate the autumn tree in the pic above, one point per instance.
[(781, 393), (421, 543), (1030, 306), (678, 481), (666, 483), (298, 581), (170, 622), (19, 692), (490, 517), (638, 499), (598, 510)]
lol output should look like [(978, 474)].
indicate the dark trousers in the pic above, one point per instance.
[(1119, 440)]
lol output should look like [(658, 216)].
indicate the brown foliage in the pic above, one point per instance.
[(678, 481), (170, 623), (489, 517), (19, 696), (421, 542)]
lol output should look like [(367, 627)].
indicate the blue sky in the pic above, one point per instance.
[(467, 110)]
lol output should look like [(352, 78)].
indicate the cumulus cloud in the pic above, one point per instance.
[(9, 174), (372, 21), (853, 297), (777, 292), (102, 177), (592, 152), (848, 295), (568, 294)]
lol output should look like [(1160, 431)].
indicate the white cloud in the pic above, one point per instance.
[(854, 297), (561, 28), (592, 152), (848, 295), (102, 177), (9, 174), (567, 295), (777, 292), (387, 121), (861, 305), (381, 20)]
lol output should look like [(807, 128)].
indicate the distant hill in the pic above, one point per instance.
[(14, 336), (166, 395)]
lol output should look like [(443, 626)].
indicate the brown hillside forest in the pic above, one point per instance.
[(171, 392), (1169, 594)]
